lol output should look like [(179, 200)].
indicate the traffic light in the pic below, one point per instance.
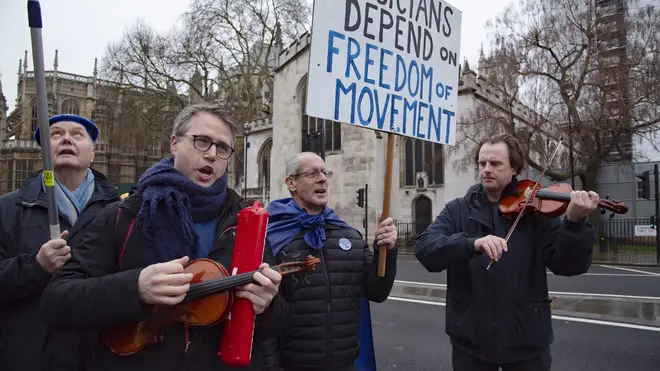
[(644, 188), (360, 197)]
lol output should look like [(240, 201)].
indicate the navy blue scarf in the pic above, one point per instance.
[(171, 204), (286, 219)]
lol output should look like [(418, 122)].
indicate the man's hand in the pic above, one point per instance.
[(53, 254), (581, 205), (387, 233), (164, 283), (493, 246), (261, 295)]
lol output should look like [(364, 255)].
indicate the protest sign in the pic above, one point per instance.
[(387, 65)]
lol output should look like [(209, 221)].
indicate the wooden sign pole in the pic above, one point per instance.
[(382, 256)]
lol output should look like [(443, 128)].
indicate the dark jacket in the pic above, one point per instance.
[(24, 228), (97, 290), (322, 325), (501, 314)]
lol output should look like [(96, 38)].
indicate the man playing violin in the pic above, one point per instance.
[(500, 316), (129, 264)]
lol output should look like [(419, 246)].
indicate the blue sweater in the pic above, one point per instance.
[(206, 232)]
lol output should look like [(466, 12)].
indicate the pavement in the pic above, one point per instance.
[(409, 336)]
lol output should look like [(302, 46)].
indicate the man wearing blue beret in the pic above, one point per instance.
[(28, 258)]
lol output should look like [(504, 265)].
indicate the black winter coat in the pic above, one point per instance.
[(501, 314), (322, 325), (92, 292), (26, 343)]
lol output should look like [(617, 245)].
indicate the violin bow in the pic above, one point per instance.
[(528, 199)]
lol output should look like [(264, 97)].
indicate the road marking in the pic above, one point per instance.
[(557, 317), (645, 274), (438, 303), (421, 283), (615, 274), (629, 270), (606, 323), (559, 293)]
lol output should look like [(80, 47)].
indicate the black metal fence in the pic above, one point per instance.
[(619, 240), (629, 241), (409, 231)]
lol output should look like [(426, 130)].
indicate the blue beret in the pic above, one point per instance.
[(89, 126)]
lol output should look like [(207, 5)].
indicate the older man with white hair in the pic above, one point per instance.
[(323, 328), (28, 257)]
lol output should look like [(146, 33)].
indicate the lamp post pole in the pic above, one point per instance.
[(246, 134), (570, 156), (569, 89)]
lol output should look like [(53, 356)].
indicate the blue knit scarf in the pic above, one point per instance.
[(286, 219), (171, 204)]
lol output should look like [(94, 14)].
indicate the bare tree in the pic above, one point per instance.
[(137, 122), (583, 72), (223, 51)]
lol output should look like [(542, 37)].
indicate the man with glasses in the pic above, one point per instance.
[(322, 325), (132, 257)]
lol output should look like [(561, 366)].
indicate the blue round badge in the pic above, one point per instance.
[(345, 244)]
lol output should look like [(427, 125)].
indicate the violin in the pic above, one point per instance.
[(552, 200), (207, 302)]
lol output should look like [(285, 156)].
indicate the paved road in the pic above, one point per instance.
[(410, 336), (617, 280)]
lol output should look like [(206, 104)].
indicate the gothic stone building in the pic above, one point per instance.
[(120, 156)]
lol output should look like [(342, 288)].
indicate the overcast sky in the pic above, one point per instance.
[(81, 29)]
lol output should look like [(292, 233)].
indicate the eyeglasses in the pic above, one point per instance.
[(315, 173), (202, 143)]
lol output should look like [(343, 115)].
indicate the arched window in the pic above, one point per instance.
[(34, 119), (264, 164), (410, 175), (421, 155), (316, 131), (71, 107)]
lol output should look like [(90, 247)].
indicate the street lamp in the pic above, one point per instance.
[(246, 133)]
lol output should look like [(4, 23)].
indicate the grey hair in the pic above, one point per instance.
[(293, 164), (182, 121)]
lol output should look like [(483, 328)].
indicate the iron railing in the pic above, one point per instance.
[(626, 241), (619, 240), (409, 231)]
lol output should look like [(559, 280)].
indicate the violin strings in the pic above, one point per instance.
[(223, 284)]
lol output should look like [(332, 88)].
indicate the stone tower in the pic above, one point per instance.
[(3, 114)]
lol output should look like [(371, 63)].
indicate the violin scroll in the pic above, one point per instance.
[(309, 264)]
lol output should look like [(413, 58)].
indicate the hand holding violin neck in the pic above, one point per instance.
[(581, 205)]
